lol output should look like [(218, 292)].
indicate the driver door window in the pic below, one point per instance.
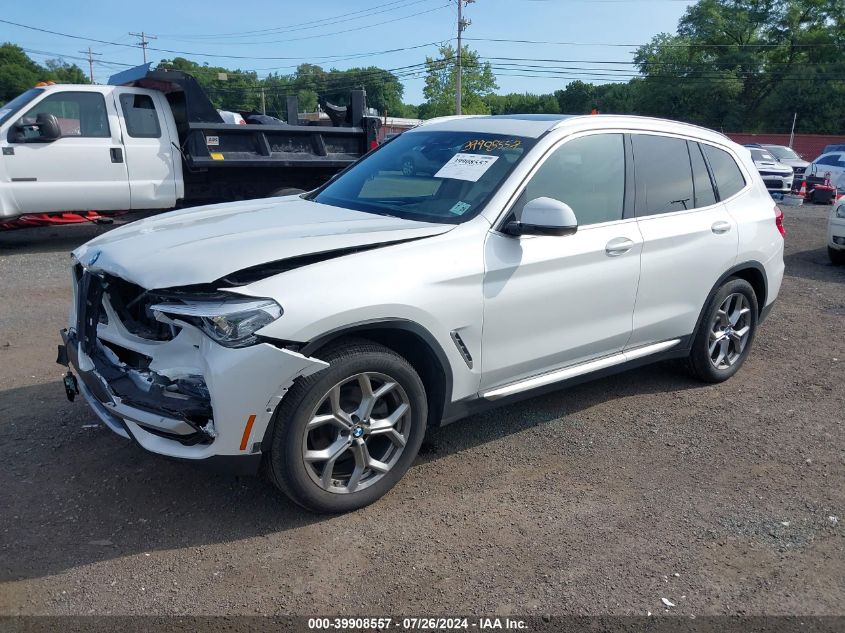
[(79, 114), (588, 174)]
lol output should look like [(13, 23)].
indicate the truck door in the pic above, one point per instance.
[(149, 153), (83, 169)]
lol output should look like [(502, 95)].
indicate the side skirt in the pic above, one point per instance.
[(565, 378)]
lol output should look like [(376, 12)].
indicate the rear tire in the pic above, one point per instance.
[(837, 257), (726, 332), (330, 421)]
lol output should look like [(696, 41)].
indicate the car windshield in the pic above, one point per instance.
[(9, 109), (759, 154), (784, 153), (428, 176)]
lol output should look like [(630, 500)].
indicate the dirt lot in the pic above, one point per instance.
[(601, 499)]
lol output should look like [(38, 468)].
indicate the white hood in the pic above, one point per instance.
[(201, 245)]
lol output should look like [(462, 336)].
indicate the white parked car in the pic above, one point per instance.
[(836, 233), (777, 176), (324, 333), (788, 157)]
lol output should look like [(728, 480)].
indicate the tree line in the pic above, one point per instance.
[(733, 65)]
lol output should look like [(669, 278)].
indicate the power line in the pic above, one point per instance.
[(304, 26), (670, 45), (178, 52), (333, 18)]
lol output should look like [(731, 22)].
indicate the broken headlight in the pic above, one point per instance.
[(232, 322)]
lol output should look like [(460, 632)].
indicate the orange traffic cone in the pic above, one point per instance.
[(803, 192)]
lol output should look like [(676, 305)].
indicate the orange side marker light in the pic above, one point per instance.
[(247, 431)]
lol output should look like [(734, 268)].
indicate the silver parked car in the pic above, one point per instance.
[(322, 334)]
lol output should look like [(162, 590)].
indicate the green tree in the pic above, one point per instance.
[(235, 90), (522, 103), (64, 73), (477, 82), (18, 72), (749, 64)]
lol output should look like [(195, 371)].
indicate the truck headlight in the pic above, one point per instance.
[(230, 322)]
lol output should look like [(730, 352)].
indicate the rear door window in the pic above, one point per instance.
[(726, 172), (140, 115), (663, 173), (702, 185)]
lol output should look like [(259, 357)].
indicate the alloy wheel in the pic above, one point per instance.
[(729, 331), (356, 433)]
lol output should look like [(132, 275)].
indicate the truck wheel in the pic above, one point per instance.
[(837, 257), (727, 329), (344, 436), (286, 191)]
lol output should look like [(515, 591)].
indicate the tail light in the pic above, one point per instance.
[(779, 221)]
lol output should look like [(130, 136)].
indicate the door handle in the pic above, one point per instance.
[(116, 154), (720, 227), (618, 246)]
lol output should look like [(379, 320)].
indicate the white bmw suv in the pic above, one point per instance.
[(321, 334)]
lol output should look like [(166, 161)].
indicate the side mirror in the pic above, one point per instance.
[(544, 216), (45, 130)]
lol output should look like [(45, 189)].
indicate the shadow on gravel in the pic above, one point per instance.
[(815, 265), (73, 495), (500, 422)]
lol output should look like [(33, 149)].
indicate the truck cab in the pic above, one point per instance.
[(152, 139), (82, 147)]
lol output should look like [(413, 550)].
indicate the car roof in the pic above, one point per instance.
[(535, 125)]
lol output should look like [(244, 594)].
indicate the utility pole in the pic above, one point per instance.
[(462, 26), (792, 133), (90, 55), (145, 39), (263, 106)]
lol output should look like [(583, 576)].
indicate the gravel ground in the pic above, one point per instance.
[(601, 499)]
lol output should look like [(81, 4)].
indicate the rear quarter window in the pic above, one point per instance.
[(726, 172)]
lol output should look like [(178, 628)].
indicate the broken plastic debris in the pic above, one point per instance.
[(833, 519), (668, 603)]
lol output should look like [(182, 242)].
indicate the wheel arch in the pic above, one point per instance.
[(752, 272), (411, 341)]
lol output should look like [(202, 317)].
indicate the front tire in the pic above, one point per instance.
[(726, 332), (344, 436), (837, 257)]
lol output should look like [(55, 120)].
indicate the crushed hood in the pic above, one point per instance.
[(201, 245)]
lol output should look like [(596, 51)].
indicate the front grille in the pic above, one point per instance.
[(124, 370), (132, 304), (773, 184)]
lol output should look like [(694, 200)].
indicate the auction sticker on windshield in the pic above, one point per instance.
[(469, 167)]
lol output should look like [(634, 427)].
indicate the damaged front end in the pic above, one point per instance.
[(180, 371)]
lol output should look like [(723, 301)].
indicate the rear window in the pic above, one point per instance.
[(726, 172)]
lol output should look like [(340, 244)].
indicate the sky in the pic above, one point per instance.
[(561, 40)]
